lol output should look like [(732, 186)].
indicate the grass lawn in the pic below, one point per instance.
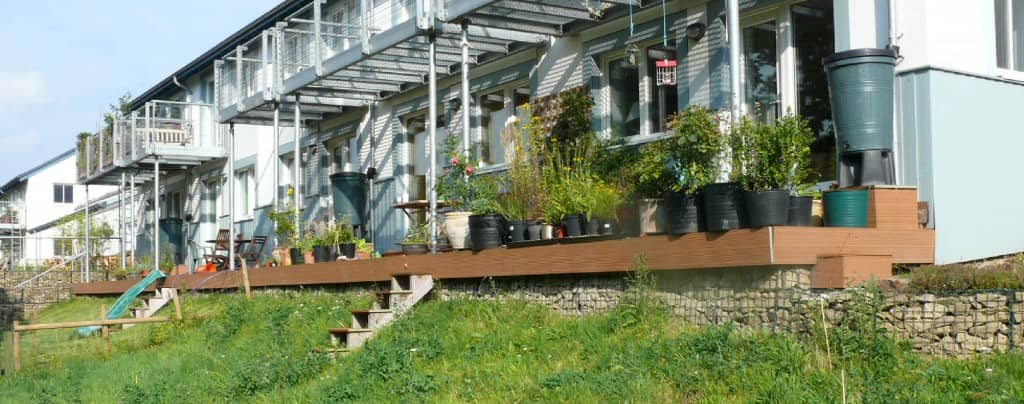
[(269, 350)]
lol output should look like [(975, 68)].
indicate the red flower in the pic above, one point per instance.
[(455, 161), (469, 170), (446, 171)]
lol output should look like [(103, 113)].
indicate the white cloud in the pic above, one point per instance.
[(22, 89)]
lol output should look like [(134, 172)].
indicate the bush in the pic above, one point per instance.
[(1008, 274)]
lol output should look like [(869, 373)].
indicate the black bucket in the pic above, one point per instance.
[(517, 231), (533, 229), (297, 256), (574, 224), (723, 207), (324, 254), (593, 226), (348, 190), (683, 212), (800, 210), (348, 250), (486, 231), (767, 208)]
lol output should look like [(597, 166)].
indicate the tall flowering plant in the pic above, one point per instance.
[(454, 184)]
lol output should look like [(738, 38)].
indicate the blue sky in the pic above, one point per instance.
[(65, 61)]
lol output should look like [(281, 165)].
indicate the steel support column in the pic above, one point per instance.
[(121, 227), (231, 196), (88, 229), (733, 24), (431, 144), (156, 213), (467, 109), (277, 155), (296, 166)]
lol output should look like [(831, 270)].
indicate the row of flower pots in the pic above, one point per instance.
[(479, 232)]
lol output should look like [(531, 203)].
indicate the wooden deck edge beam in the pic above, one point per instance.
[(779, 246)]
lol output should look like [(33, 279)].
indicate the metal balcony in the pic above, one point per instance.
[(176, 133)]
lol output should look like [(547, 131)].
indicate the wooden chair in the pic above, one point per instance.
[(218, 253), (253, 251)]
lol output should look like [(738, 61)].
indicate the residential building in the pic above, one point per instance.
[(311, 88), (34, 202)]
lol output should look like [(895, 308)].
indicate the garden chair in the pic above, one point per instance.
[(218, 253), (253, 252)]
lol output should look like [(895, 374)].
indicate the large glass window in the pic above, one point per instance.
[(760, 86), (243, 180), (416, 128), (497, 106), (814, 38), (1009, 16), (624, 82)]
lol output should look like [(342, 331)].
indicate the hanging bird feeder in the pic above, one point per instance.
[(632, 56), (665, 64)]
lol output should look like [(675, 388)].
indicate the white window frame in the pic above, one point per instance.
[(1013, 72), (785, 55), (647, 95), (479, 132), (244, 193)]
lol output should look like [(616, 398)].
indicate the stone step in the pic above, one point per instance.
[(353, 337), (372, 319), (387, 299)]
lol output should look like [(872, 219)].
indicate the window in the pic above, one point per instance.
[(497, 106), (760, 86), (63, 193), (172, 205), (243, 202), (814, 38), (624, 82), (416, 129), (636, 103), (1010, 34)]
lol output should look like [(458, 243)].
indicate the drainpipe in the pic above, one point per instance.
[(174, 79), (156, 213), (466, 110), (296, 166)]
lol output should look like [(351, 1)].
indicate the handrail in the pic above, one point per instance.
[(59, 265)]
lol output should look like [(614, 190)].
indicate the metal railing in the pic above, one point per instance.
[(12, 214), (40, 253)]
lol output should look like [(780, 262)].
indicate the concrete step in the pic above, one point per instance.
[(372, 319), (352, 337), (385, 299)]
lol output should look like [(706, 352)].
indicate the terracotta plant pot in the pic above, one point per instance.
[(281, 256), (652, 216), (307, 257)]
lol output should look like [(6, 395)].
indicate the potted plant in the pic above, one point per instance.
[(364, 250), (604, 206), (486, 224), (454, 188), (416, 240), (771, 157), (802, 206), (694, 151), (524, 192), (344, 239), (284, 252), (305, 245)]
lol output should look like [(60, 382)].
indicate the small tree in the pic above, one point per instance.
[(72, 233)]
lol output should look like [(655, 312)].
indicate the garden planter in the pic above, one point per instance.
[(533, 230), (324, 254), (281, 256), (517, 231), (800, 211), (652, 216), (414, 249), (767, 208), (547, 231), (307, 257), (682, 213), (456, 226), (348, 250), (296, 256), (593, 226), (574, 224), (486, 231), (723, 207), (629, 220), (846, 207)]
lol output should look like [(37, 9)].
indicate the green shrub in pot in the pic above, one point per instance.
[(771, 158), (695, 153)]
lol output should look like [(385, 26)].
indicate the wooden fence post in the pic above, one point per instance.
[(177, 303), (16, 346), (106, 331)]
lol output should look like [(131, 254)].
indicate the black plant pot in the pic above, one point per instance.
[(607, 227), (593, 226), (533, 229), (414, 249), (574, 224), (516, 231), (683, 212), (800, 210), (767, 208), (323, 254), (723, 207), (297, 256), (486, 231), (629, 220), (348, 250)]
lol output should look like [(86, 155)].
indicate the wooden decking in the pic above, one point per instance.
[(738, 248)]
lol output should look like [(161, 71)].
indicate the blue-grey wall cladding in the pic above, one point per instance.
[(959, 137)]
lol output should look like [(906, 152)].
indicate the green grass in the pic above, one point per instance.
[(266, 350), (1007, 273)]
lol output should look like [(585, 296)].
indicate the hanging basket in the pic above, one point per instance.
[(666, 72)]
